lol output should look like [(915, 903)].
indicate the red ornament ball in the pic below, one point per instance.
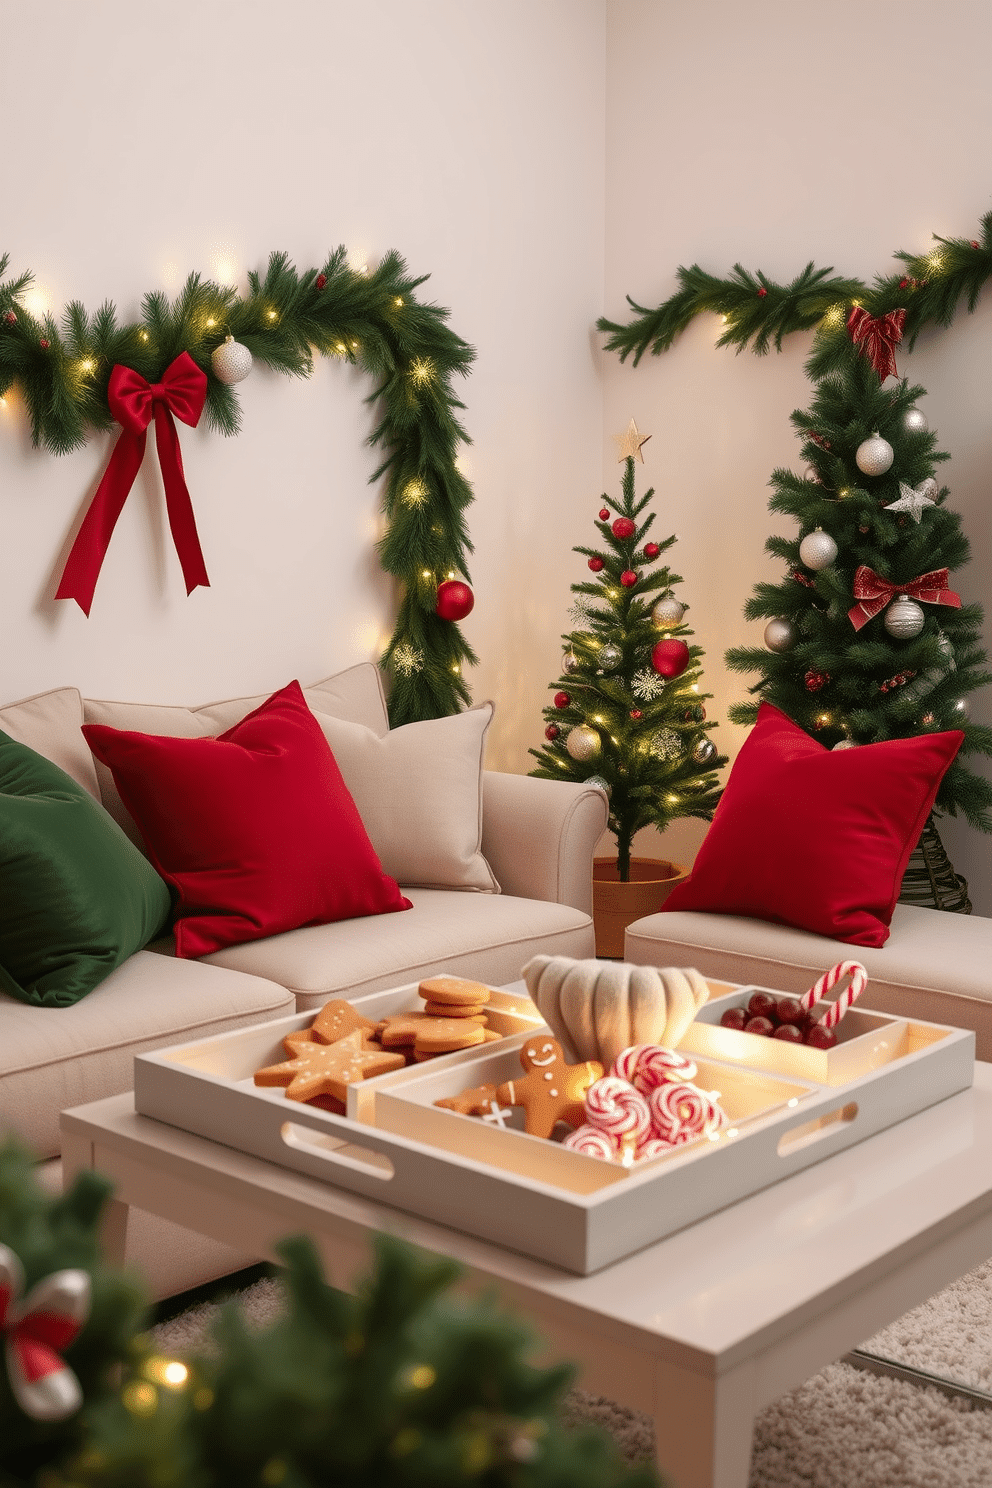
[(596, 564), (10, 318), (815, 680), (562, 699), (670, 658), (44, 343), (762, 292), (604, 512), (321, 281), (552, 731), (454, 600), (651, 550), (623, 528), (628, 578)]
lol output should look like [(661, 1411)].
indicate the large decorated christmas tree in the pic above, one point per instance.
[(627, 711), (866, 637)]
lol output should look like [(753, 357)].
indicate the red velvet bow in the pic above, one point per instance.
[(873, 592), (37, 1328), (876, 336), (133, 401)]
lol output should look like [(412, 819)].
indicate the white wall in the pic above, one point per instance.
[(150, 143), (772, 134)]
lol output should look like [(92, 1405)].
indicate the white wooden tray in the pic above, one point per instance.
[(528, 1194)]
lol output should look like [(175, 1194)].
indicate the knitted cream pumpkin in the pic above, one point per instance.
[(596, 1009)]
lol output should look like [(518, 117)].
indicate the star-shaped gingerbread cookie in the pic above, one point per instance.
[(328, 1069)]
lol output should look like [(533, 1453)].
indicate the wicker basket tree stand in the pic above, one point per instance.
[(930, 880)]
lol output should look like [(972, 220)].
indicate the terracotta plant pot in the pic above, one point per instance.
[(616, 905)]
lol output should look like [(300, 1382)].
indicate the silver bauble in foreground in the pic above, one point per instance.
[(818, 549), (583, 743), (668, 611), (780, 635), (703, 751), (874, 456), (609, 657), (914, 422), (904, 618), (231, 361)]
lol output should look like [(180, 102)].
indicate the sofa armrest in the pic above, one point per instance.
[(538, 836)]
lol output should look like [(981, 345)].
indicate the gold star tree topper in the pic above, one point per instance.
[(629, 443)]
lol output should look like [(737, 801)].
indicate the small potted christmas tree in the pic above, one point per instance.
[(627, 713)]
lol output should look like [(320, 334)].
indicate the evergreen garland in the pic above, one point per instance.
[(373, 320)]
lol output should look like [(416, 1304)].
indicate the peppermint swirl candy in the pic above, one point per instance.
[(615, 1107), (653, 1147), (682, 1112), (646, 1066), (591, 1141)]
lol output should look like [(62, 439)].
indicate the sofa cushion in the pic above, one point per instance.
[(355, 694), (52, 1059), (49, 723), (484, 936), (254, 830), (418, 790), (76, 897), (813, 837)]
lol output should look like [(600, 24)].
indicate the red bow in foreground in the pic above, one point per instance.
[(873, 592), (36, 1329), (876, 336), (133, 401)]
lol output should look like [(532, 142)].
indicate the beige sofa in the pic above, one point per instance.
[(511, 876)]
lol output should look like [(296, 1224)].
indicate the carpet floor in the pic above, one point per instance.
[(843, 1428)]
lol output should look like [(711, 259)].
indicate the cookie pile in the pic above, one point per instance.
[(341, 1047)]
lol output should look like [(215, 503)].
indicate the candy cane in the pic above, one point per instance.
[(829, 979)]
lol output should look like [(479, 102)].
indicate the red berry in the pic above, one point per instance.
[(604, 513), (10, 318), (562, 699), (788, 1033), (762, 1005), (552, 731), (636, 713), (820, 1037), (734, 1017), (762, 292), (761, 1026), (651, 550), (623, 528), (44, 343), (628, 578), (321, 280), (974, 243), (789, 1010), (596, 564)]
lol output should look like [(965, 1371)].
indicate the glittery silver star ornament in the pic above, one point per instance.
[(914, 502)]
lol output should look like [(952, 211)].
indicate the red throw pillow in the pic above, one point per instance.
[(255, 831), (816, 838)]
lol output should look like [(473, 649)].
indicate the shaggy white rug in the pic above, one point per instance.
[(841, 1429)]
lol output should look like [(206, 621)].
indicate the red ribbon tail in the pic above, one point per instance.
[(859, 616), (177, 501), (82, 567)]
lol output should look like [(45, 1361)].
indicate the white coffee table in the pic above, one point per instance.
[(701, 1330)]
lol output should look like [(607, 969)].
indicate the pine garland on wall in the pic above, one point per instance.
[(64, 371)]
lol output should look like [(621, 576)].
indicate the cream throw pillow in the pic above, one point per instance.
[(418, 790)]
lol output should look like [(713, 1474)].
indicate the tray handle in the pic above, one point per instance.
[(365, 1160), (818, 1130)]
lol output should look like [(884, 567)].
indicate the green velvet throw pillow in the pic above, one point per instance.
[(76, 897)]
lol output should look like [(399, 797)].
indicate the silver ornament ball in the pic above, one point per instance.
[(668, 611), (874, 456), (780, 635), (569, 663), (601, 784), (703, 751), (914, 422), (231, 361), (609, 657), (809, 474), (818, 549), (845, 744), (960, 711), (904, 618), (583, 743)]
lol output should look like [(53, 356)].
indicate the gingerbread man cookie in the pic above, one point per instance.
[(550, 1090)]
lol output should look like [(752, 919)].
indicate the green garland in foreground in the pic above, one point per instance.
[(758, 312), (373, 320)]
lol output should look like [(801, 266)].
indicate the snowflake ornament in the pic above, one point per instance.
[(666, 744), (647, 685), (407, 659), (579, 613)]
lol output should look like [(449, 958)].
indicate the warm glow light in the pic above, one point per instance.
[(426, 573), (210, 323), (422, 1377), (834, 316), (672, 800), (843, 492), (794, 1101), (143, 335), (455, 667), (271, 314), (935, 261), (421, 368), (36, 301), (87, 364), (398, 300), (341, 347), (415, 493)]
